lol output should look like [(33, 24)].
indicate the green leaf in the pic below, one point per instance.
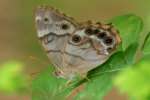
[(130, 54), (146, 49), (11, 77), (136, 81), (129, 27), (95, 88), (46, 86)]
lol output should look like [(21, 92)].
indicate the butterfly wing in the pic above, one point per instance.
[(89, 47), (71, 47), (54, 29)]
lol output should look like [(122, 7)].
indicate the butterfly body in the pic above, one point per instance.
[(73, 48)]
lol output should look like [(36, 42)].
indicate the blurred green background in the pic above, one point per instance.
[(18, 40)]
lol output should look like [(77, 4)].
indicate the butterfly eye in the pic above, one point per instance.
[(65, 26), (108, 40), (76, 38), (88, 31)]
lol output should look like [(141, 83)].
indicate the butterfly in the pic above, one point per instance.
[(74, 48)]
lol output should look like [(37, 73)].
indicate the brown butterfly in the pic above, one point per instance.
[(74, 48)]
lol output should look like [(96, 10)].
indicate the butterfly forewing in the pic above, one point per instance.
[(53, 29)]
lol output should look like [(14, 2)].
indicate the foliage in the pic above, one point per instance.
[(146, 46), (128, 26), (136, 80), (99, 82), (11, 77)]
